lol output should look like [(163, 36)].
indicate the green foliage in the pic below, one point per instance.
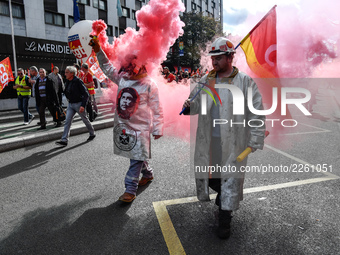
[(198, 31)]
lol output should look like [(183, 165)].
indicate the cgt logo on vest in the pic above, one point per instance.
[(238, 105)]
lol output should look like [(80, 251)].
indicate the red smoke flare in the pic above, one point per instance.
[(159, 25)]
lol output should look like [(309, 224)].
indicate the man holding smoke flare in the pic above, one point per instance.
[(217, 146), (138, 115)]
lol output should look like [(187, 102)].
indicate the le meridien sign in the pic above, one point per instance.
[(47, 47)]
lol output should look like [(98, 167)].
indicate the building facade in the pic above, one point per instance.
[(41, 26)]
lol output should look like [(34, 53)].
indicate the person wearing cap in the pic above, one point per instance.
[(138, 115), (167, 75), (217, 146)]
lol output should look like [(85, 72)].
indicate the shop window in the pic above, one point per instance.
[(54, 19), (133, 14)]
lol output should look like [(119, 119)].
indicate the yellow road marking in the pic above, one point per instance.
[(168, 230)]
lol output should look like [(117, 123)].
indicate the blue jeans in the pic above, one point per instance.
[(23, 106), (72, 109), (132, 175)]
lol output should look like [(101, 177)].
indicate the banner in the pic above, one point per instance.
[(94, 67), (259, 46), (6, 74)]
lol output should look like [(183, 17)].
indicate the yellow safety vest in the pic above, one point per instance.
[(22, 91), (91, 90)]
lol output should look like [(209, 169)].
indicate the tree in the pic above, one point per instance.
[(198, 31)]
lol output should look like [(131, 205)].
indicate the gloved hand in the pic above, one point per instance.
[(94, 43), (252, 149)]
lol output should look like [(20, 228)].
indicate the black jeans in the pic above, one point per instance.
[(42, 107)]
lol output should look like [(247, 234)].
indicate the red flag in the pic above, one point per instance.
[(94, 67), (52, 66), (259, 46), (6, 74)]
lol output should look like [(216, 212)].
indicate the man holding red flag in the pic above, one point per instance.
[(217, 146)]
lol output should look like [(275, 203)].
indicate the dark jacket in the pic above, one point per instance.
[(75, 91), (51, 94)]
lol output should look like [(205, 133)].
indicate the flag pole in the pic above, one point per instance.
[(119, 14), (118, 27), (13, 41), (251, 31)]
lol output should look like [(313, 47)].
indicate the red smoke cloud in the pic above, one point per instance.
[(159, 27), (308, 40)]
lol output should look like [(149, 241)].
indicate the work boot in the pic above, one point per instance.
[(224, 219), (127, 197), (144, 181)]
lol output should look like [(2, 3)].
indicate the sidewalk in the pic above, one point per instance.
[(14, 134)]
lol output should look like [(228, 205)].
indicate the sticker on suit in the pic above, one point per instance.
[(125, 137), (127, 103)]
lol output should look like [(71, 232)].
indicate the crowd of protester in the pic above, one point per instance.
[(47, 90), (180, 76)]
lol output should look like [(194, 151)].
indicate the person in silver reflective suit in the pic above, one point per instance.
[(219, 146), (138, 114)]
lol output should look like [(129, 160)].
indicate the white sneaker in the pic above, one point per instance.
[(26, 123), (30, 120)]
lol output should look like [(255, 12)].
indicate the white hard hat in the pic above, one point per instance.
[(221, 46)]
